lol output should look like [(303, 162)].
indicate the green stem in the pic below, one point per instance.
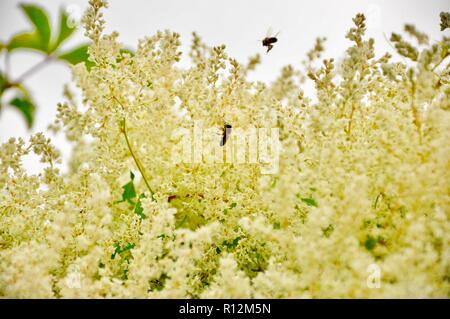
[(439, 63), (136, 159), (130, 149)]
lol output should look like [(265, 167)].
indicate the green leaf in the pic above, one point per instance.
[(181, 223), (309, 201), (370, 243), (129, 192), (226, 210), (157, 284), (235, 242), (274, 182), (327, 231), (77, 55), (127, 50), (3, 85), (64, 31), (231, 245), (25, 40), (118, 250), (138, 207), (40, 20), (26, 107), (3, 82)]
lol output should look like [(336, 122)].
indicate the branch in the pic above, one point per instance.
[(141, 169), (32, 70)]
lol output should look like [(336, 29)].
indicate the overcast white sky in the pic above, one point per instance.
[(237, 23)]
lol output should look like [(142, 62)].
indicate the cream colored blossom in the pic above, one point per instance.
[(363, 178)]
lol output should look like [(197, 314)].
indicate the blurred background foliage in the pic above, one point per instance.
[(44, 40)]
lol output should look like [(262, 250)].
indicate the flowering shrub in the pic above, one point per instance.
[(362, 181)]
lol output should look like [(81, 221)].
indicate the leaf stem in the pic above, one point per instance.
[(133, 155), (7, 64), (439, 63), (32, 70), (141, 169)]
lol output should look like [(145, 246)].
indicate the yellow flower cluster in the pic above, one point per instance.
[(362, 184)]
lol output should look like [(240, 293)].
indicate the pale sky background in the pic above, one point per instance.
[(239, 24)]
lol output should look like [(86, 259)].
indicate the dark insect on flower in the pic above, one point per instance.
[(226, 134), (171, 198), (269, 40)]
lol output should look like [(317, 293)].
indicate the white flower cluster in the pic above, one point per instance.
[(362, 184)]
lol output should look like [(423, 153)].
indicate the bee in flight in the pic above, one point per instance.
[(226, 134), (269, 40)]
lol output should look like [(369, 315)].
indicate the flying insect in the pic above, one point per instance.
[(269, 40)]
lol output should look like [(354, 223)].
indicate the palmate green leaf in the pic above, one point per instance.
[(64, 31), (77, 55), (26, 108), (39, 38)]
